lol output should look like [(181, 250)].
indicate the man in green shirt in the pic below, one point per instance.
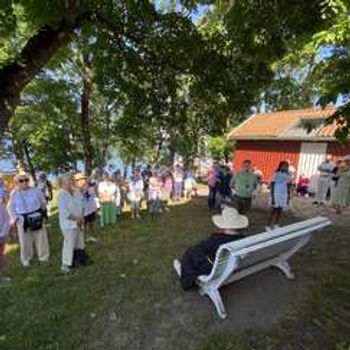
[(244, 183)]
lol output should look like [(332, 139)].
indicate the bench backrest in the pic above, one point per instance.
[(262, 247)]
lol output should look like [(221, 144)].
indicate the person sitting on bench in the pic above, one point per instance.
[(198, 260)]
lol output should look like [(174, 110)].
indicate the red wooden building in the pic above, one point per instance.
[(268, 138)]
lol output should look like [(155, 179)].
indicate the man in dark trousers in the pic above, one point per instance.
[(198, 260)]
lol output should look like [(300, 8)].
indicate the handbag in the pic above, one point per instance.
[(33, 221)]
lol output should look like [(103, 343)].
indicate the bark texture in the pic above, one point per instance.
[(34, 56)]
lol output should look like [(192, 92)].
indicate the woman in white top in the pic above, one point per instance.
[(26, 207), (280, 194), (71, 218), (107, 190)]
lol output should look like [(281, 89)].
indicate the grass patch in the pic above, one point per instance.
[(127, 291)]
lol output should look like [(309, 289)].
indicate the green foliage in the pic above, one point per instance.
[(47, 121), (161, 84), (220, 147)]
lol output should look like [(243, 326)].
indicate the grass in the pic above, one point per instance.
[(121, 301)]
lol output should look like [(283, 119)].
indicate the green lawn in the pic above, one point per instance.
[(130, 297)]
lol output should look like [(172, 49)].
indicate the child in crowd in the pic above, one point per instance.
[(280, 194), (166, 189), (303, 186), (135, 193), (106, 192), (190, 184), (89, 204), (154, 193), (178, 182), (5, 227)]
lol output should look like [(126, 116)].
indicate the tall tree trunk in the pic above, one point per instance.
[(159, 149), (18, 151), (85, 114), (29, 160), (172, 154), (34, 56)]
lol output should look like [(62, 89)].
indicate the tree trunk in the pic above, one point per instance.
[(172, 154), (159, 149), (18, 151), (34, 56), (85, 114), (29, 160)]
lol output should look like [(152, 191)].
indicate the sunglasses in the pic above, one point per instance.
[(23, 180)]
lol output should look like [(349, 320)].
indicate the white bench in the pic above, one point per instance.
[(244, 257)]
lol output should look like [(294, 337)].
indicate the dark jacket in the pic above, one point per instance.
[(198, 260)]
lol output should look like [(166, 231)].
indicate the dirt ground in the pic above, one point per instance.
[(256, 303)]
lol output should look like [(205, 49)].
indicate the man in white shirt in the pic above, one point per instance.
[(324, 179)]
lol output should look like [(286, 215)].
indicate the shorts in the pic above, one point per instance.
[(90, 218), (135, 205), (243, 205)]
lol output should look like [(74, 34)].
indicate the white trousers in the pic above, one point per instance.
[(323, 185), (29, 239), (73, 239)]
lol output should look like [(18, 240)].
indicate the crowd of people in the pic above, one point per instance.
[(240, 188), (81, 201), (232, 195), (103, 196)]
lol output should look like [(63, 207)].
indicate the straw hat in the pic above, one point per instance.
[(230, 219), (79, 176), (65, 177)]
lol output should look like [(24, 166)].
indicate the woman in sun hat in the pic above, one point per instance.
[(198, 259)]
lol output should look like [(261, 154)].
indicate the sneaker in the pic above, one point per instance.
[(26, 265), (276, 226), (315, 203), (66, 269), (138, 216), (177, 266)]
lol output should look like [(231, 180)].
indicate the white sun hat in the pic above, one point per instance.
[(230, 219)]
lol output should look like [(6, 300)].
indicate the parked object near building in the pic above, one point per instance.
[(299, 136)]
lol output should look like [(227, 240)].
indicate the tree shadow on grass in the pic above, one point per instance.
[(130, 298)]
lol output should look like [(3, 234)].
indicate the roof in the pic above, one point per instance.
[(285, 125)]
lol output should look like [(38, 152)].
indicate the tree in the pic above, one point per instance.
[(48, 29), (45, 126), (220, 147)]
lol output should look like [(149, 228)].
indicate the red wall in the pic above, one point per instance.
[(266, 155), (337, 150)]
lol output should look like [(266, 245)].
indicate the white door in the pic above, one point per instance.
[(311, 156)]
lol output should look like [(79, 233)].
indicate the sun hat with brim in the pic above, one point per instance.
[(79, 176), (230, 219), (65, 177), (346, 158)]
